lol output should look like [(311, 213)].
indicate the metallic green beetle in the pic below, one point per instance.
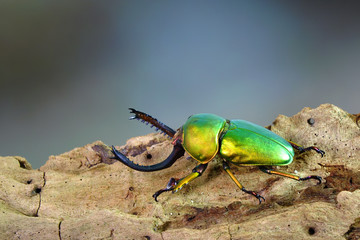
[(206, 136)]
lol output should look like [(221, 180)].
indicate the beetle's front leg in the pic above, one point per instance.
[(227, 169), (175, 185), (302, 149), (169, 187)]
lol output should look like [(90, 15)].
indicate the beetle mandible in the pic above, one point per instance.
[(205, 136)]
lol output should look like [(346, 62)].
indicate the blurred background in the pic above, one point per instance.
[(69, 70)]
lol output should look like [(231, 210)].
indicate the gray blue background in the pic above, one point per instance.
[(70, 69)]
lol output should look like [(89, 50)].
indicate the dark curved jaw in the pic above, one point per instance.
[(153, 121), (177, 152)]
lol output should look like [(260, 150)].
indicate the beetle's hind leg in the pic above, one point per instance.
[(227, 169), (302, 149), (288, 175), (175, 185)]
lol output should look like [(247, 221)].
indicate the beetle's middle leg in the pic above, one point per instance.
[(175, 185), (227, 169), (289, 175)]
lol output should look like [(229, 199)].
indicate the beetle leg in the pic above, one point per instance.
[(227, 169), (288, 175), (153, 121), (302, 149), (170, 186), (175, 185), (196, 172)]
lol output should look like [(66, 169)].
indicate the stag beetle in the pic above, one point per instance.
[(206, 136)]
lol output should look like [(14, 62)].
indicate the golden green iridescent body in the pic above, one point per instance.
[(246, 143), (242, 142)]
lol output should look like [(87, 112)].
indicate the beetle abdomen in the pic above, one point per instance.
[(201, 134), (246, 143)]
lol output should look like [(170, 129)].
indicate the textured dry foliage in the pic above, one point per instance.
[(83, 194)]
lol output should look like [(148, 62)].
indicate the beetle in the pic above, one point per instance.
[(206, 136)]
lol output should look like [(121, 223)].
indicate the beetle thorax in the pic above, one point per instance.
[(200, 135)]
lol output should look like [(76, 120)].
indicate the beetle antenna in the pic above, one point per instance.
[(146, 118)]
